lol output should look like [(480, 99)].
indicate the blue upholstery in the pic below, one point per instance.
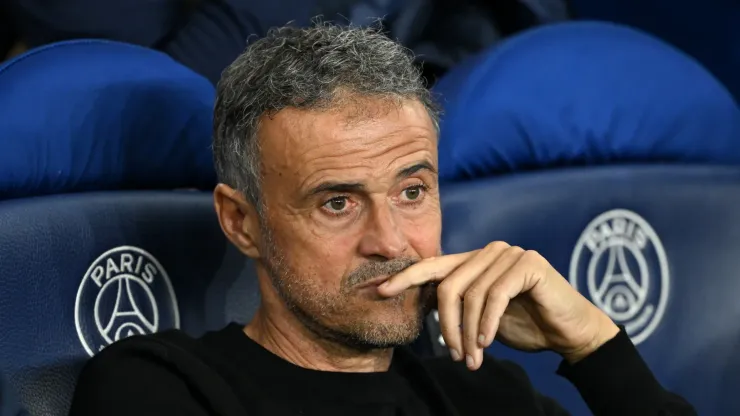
[(48, 246), (632, 193), (693, 348), (582, 93), (96, 115)]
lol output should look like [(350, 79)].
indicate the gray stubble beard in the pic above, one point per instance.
[(361, 336)]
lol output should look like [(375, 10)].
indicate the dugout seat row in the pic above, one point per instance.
[(613, 154)]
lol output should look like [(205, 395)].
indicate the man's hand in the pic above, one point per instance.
[(509, 293)]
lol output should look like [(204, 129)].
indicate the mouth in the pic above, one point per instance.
[(374, 283)]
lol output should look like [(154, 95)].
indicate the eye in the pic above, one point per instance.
[(337, 205), (414, 193)]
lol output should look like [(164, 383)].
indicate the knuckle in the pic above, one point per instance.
[(497, 246), (473, 295), (516, 250), (495, 294), (532, 256), (445, 289)]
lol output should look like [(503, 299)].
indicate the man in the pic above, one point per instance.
[(325, 141)]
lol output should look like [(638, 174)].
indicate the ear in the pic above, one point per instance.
[(238, 218)]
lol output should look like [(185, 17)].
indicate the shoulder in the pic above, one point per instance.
[(134, 362), (144, 375), (146, 351)]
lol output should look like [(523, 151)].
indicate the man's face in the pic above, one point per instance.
[(350, 197)]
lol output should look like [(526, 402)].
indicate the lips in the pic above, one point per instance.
[(375, 282)]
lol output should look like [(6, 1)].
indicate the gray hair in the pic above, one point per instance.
[(307, 68)]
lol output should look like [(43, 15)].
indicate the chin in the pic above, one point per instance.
[(365, 324), (387, 324), (380, 334)]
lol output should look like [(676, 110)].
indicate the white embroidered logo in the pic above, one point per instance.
[(125, 292), (620, 262)]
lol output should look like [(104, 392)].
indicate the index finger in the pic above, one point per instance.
[(428, 270)]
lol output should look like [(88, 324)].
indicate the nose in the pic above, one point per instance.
[(383, 237)]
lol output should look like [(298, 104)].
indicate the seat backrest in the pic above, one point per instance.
[(608, 122), (654, 246), (81, 271), (78, 270)]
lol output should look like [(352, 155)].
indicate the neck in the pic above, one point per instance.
[(280, 332)]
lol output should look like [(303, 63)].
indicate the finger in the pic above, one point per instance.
[(512, 283), (450, 295), (475, 299), (428, 270)]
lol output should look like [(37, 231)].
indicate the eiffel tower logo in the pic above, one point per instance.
[(124, 292), (619, 294), (127, 317), (620, 264)]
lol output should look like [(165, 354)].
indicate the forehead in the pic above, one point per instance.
[(364, 134)]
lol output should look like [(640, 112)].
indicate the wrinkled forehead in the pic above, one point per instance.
[(358, 133)]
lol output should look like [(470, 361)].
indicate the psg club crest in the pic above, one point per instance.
[(619, 263), (125, 292)]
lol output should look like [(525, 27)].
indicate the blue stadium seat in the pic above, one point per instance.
[(80, 269), (673, 233), (616, 157)]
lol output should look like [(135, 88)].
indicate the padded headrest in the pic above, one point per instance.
[(582, 93), (95, 115)]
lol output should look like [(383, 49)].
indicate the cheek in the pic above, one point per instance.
[(325, 257), (425, 233)]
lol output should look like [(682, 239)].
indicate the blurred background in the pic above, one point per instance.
[(604, 134)]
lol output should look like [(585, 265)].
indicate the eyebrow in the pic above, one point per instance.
[(347, 187), (406, 172)]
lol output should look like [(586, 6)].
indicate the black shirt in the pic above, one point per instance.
[(226, 373)]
